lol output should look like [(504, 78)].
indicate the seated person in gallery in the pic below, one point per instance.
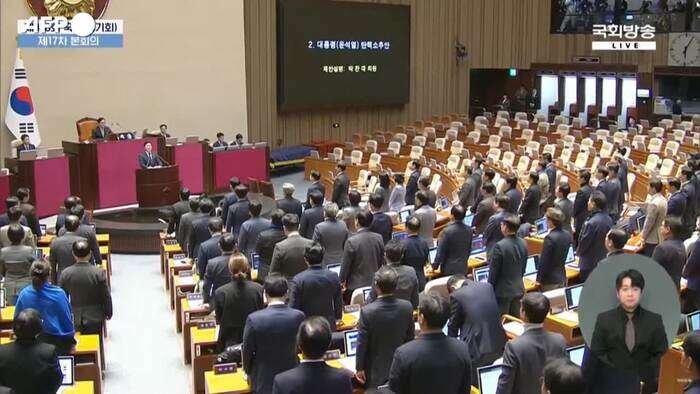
[(220, 141), (238, 141), (26, 145), (149, 159), (102, 130)]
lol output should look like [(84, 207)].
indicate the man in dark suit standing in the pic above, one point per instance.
[(229, 198), (412, 183), (615, 242), (267, 240), (507, 266), (251, 228), (492, 232), (433, 362), (515, 195), (149, 159), (269, 337), (210, 249), (200, 227), (454, 245), (407, 281), (101, 131), (551, 273), (551, 172), (524, 357), (288, 255), (530, 207), (385, 324), (381, 222), (239, 211), (670, 253), (183, 206), (86, 231), (424, 186), (61, 248), (288, 203), (28, 211), (362, 256), (216, 273), (13, 201), (468, 191), (184, 229), (488, 176), (676, 200), (331, 234), (691, 357), (416, 251), (28, 365), (313, 376), (316, 291), (691, 271), (583, 194), (26, 145), (485, 208), (475, 320), (610, 187), (629, 340), (591, 242), (691, 212), (565, 205), (316, 185), (311, 216), (341, 186)]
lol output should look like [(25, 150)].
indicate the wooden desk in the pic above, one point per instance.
[(7, 315), (204, 354), (179, 287), (672, 376), (48, 179), (80, 387), (88, 346), (570, 330), (174, 267), (190, 318)]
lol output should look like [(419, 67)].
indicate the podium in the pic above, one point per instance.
[(157, 187)]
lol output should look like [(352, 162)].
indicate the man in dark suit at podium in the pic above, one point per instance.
[(26, 145), (102, 130), (148, 159)]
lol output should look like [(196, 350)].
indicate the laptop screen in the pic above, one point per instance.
[(541, 225), (531, 265), (404, 215), (67, 365), (256, 260), (468, 220), (488, 378), (445, 202), (351, 342), (431, 255), (366, 293), (334, 268), (478, 245), (38, 253), (399, 235), (573, 294), (570, 256), (481, 274), (693, 321), (576, 354)]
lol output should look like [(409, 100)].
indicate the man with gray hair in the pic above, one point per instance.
[(288, 203), (331, 234)]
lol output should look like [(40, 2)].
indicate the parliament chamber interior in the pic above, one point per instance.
[(370, 196)]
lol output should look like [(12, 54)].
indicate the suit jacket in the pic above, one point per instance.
[(397, 198), (316, 292), (148, 161), (427, 217), (530, 207), (314, 377), (28, 240), (382, 225), (314, 186), (467, 193), (507, 266), (412, 188), (676, 204), (608, 342), (483, 212), (269, 344), (180, 208), (406, 286), (4, 220), (288, 256), (476, 320), (248, 236), (216, 274), (516, 197), (656, 214), (551, 172), (101, 133), (432, 363), (567, 208), (348, 215), (218, 144), (29, 212), (492, 232), (591, 241), (581, 207), (86, 231), (184, 229), (612, 189), (238, 213), (309, 219), (691, 270), (385, 324), (30, 366), (331, 234), (416, 255), (24, 147), (290, 205), (524, 359), (233, 302), (226, 202), (362, 257), (671, 255), (432, 198), (691, 212), (341, 186), (200, 233), (265, 245), (553, 257), (208, 250), (61, 253), (15, 262), (454, 248), (90, 299)]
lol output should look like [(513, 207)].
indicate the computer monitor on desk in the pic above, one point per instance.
[(481, 274), (334, 268), (640, 222), (576, 354), (404, 215), (432, 253), (67, 365), (468, 220), (351, 338), (541, 226), (532, 265), (488, 378), (693, 320), (478, 245), (573, 294), (399, 235), (570, 255)]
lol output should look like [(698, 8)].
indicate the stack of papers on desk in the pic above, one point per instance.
[(348, 363), (571, 316)]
